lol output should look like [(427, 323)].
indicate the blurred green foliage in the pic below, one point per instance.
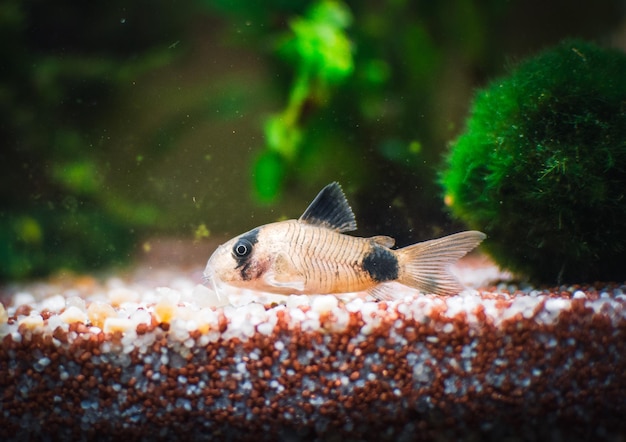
[(368, 93), (320, 51), (64, 66)]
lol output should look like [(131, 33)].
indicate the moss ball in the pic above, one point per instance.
[(541, 166)]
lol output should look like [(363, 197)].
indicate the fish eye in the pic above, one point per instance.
[(242, 248)]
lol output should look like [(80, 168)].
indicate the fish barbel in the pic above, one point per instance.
[(313, 255)]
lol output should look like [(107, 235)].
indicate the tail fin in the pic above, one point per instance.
[(425, 265)]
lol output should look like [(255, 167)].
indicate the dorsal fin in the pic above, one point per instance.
[(330, 209)]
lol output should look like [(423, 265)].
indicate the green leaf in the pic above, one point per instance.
[(269, 173), (281, 136), (320, 43), (80, 176)]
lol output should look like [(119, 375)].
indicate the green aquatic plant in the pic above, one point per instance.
[(319, 48), (364, 86), (541, 166), (65, 67)]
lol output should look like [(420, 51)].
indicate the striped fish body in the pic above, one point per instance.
[(313, 255), (296, 257)]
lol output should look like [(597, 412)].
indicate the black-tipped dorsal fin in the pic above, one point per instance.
[(330, 209)]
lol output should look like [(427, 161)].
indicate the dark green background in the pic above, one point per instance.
[(122, 121)]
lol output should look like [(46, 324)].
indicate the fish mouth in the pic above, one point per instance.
[(208, 279)]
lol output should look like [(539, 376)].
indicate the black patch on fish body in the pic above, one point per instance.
[(252, 236), (381, 264), (244, 263)]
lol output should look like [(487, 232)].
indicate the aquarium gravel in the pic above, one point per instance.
[(155, 355)]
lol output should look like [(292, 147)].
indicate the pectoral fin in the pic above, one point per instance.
[(383, 292), (283, 274)]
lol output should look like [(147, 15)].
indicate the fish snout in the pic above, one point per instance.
[(218, 267)]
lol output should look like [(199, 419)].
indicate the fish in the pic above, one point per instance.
[(314, 255)]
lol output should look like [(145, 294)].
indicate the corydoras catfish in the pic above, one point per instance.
[(313, 255)]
